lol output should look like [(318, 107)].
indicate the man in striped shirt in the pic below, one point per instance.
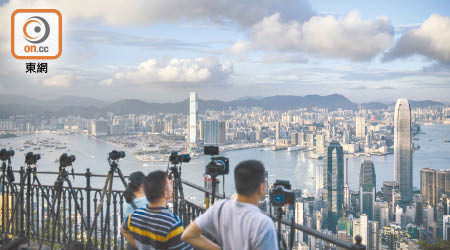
[(155, 227)]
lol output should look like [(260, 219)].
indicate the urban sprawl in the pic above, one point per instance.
[(397, 217)]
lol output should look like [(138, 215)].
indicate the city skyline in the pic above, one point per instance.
[(338, 208)]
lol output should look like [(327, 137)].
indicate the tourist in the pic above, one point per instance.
[(135, 196), (154, 227), (134, 193), (237, 224)]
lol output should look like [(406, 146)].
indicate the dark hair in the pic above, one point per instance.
[(154, 185), (248, 175), (134, 183)]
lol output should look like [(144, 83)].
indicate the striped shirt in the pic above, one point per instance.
[(155, 229)]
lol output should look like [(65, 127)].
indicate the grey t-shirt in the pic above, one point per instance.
[(242, 226)]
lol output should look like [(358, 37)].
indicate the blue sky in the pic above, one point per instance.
[(160, 50)]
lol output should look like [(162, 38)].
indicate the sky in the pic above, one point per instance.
[(159, 51)]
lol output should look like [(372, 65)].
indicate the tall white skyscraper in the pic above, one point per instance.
[(360, 126), (193, 118), (299, 220), (347, 198), (403, 149), (277, 131), (319, 180)]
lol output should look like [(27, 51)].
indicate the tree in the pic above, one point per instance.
[(439, 245)]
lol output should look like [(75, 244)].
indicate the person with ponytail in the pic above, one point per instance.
[(134, 193), (135, 197)]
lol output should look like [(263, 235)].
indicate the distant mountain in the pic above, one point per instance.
[(422, 104), (141, 107), (20, 100), (287, 102), (89, 107), (59, 102), (412, 103), (374, 105), (76, 101)]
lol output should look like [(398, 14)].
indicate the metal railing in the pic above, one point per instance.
[(34, 210)]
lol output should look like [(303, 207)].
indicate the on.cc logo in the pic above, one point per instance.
[(36, 34)]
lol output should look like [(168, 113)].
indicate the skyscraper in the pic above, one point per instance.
[(319, 180), (446, 227), (193, 118), (221, 137), (433, 184), (299, 220), (294, 138), (347, 198), (202, 129), (277, 132), (360, 127), (367, 187), (320, 142), (333, 185), (428, 185), (210, 132), (403, 149)]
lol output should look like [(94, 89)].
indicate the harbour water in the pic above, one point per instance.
[(296, 166)]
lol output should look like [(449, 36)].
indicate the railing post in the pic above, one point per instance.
[(28, 206), (4, 198), (20, 210), (88, 175), (358, 245)]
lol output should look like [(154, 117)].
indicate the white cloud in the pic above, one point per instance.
[(146, 12), (240, 48), (199, 70), (349, 37), (59, 80), (431, 39)]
